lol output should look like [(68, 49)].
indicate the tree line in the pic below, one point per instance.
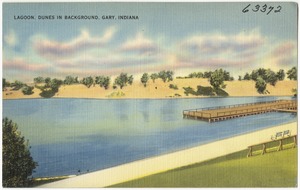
[(216, 78), (207, 74), (50, 86), (262, 77)]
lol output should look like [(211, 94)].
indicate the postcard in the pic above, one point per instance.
[(149, 94)]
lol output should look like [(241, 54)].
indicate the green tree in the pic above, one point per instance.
[(70, 80), (227, 76), (240, 78), (103, 81), (145, 79), (166, 75), (260, 85), (17, 85), (170, 75), (247, 76), (130, 79), (17, 164), (195, 75), (271, 77), (154, 76), (119, 81), (192, 75), (254, 75), (88, 81), (47, 80), (38, 80), (217, 79), (123, 79), (163, 75), (3, 83), (263, 73), (55, 84), (27, 90), (292, 73), (207, 74), (280, 74), (50, 87)]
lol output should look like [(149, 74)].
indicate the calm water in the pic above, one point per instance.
[(68, 135)]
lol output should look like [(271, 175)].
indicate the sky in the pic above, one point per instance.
[(182, 37)]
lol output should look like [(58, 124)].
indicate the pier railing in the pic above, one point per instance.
[(257, 109), (200, 112)]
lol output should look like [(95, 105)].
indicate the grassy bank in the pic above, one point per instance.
[(277, 169)]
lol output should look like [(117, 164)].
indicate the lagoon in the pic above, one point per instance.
[(72, 136)]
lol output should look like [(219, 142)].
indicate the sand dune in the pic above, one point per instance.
[(158, 89)]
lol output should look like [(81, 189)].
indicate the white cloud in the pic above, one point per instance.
[(281, 56), (11, 38), (140, 44), (88, 54), (84, 42), (214, 50), (217, 43)]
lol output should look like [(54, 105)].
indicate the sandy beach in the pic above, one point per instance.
[(157, 89), (166, 162)]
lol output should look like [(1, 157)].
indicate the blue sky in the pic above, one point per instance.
[(183, 37)]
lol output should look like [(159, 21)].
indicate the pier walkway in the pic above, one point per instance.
[(220, 113)]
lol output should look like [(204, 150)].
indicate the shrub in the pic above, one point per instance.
[(205, 91), (27, 90), (220, 92), (38, 80), (173, 86), (116, 94), (17, 85), (189, 90)]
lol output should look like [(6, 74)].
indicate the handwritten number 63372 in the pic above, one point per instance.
[(264, 9)]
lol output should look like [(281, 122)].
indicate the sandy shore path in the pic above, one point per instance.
[(166, 162)]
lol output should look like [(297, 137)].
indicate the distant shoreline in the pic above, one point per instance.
[(157, 90), (167, 98)]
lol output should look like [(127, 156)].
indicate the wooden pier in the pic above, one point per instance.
[(220, 113)]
